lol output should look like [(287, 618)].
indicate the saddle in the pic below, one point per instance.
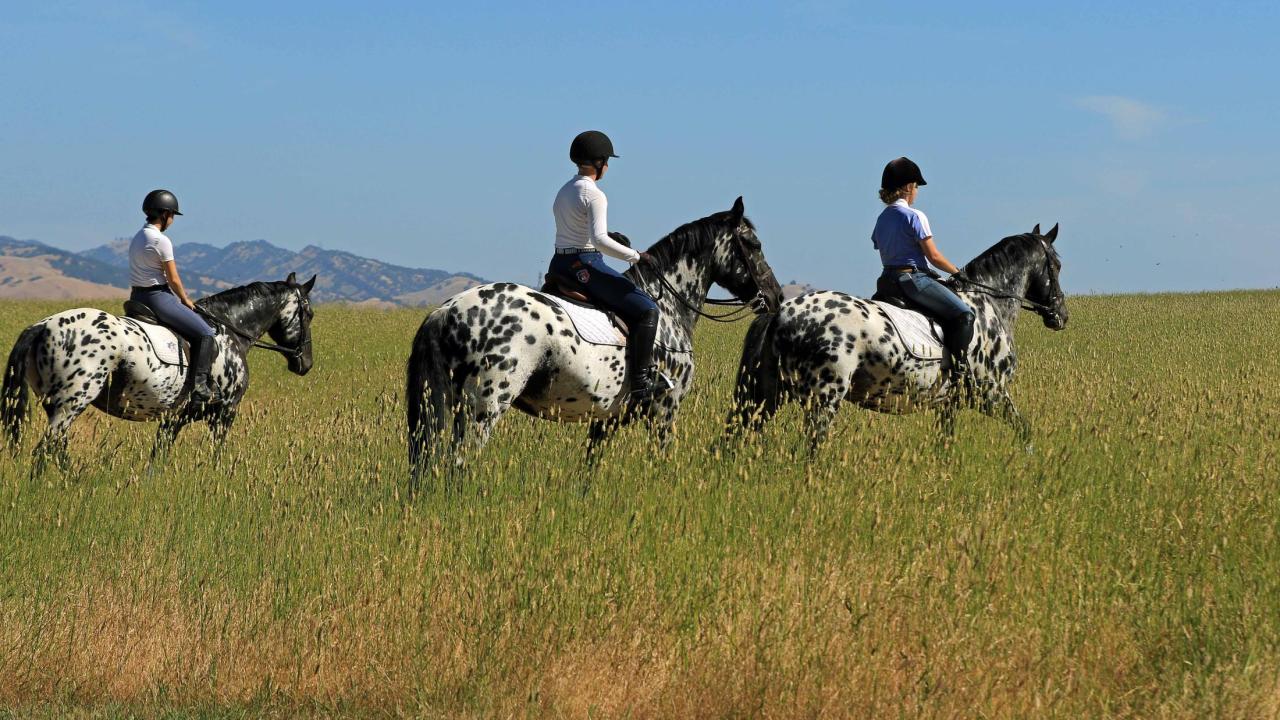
[(887, 291), (169, 347), (920, 332), (564, 289)]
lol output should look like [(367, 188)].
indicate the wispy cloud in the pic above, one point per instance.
[(1131, 119)]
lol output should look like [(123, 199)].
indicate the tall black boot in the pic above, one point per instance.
[(201, 360), (640, 356), (958, 337)]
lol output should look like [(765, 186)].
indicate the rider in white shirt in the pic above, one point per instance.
[(582, 240), (153, 274)]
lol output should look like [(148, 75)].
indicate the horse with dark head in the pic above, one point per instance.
[(823, 348), (85, 357), (501, 345)]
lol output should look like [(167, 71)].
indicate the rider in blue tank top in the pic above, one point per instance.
[(905, 241)]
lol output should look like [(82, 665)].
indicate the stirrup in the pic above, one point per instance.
[(658, 383), (203, 398)]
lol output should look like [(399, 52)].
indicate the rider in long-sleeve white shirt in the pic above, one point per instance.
[(582, 235), (582, 211)]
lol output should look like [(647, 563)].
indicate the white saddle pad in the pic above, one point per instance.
[(921, 335), (163, 342), (593, 326)]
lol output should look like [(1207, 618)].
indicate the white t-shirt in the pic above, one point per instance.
[(581, 212), (148, 252)]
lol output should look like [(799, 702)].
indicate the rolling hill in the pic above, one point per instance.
[(30, 269)]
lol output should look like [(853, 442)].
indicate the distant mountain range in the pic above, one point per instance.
[(31, 269)]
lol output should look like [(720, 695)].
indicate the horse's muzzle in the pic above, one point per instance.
[(1054, 320)]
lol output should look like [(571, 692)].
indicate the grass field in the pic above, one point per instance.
[(1128, 567)]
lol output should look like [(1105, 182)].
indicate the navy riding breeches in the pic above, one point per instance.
[(606, 286), (172, 313)]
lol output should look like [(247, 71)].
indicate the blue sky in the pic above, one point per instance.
[(435, 134)]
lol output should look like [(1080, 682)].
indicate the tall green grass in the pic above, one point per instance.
[(1125, 568)]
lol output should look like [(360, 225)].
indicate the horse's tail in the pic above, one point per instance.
[(14, 396), (758, 391), (429, 393)]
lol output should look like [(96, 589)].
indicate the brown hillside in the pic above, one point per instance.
[(33, 278), (437, 293)]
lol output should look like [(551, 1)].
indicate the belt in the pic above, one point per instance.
[(575, 251), (150, 288), (901, 269)]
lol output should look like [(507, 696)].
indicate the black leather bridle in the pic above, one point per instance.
[(290, 353), (1041, 309), (758, 304)]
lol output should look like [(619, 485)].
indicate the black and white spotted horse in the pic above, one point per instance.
[(823, 348), (501, 345), (85, 357)]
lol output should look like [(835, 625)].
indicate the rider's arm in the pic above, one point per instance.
[(597, 221), (935, 256), (175, 283)]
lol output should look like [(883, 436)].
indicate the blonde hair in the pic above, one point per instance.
[(889, 197)]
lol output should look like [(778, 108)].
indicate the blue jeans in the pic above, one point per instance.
[(172, 313), (937, 300), (608, 287)]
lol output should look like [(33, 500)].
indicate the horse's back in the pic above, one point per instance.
[(523, 348), (96, 344), (829, 339)]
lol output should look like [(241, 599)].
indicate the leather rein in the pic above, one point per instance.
[(757, 303), (1025, 302)]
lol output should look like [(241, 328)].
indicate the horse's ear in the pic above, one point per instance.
[(1052, 234), (737, 211), (1036, 230), (306, 286), (292, 279)]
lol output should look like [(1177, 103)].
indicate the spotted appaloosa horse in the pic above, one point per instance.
[(86, 356), (826, 347), (501, 345)]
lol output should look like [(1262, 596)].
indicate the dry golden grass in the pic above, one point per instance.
[(1124, 569)]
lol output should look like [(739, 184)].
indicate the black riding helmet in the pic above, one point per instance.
[(158, 201), (900, 172), (590, 147)]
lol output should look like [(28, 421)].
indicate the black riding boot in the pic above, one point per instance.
[(640, 355), (201, 360), (958, 337)]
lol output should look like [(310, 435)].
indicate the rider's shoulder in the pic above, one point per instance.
[(906, 213), (584, 188), (151, 232)]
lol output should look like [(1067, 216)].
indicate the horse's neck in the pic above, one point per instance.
[(1011, 281), (691, 277), (252, 316)]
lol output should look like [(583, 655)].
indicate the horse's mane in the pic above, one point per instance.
[(239, 297), (694, 238), (1010, 252)]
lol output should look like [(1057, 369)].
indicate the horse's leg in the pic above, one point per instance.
[(947, 422), (220, 420), (821, 409), (170, 425), (999, 405), (62, 408), (599, 435), (483, 407)]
